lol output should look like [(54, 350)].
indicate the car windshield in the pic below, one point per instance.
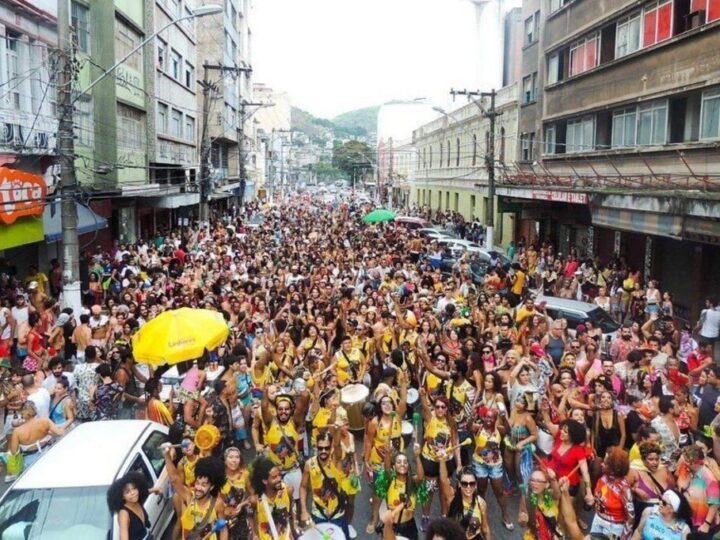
[(55, 514), (600, 318)]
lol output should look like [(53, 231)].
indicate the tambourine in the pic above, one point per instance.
[(207, 437)]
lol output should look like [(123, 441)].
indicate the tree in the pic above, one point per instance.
[(352, 155), (326, 171)]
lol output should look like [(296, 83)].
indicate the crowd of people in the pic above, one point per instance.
[(354, 367)]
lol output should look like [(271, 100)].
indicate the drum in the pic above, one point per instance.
[(407, 432), (412, 397), (383, 511), (353, 397), (323, 531)]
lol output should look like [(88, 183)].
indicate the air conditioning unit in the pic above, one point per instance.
[(695, 19)]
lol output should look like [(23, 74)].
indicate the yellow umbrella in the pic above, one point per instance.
[(179, 335)]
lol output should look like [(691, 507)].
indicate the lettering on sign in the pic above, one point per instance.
[(21, 194), (560, 196), (129, 81)]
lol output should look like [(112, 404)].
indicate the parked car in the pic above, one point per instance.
[(412, 223), (458, 246), (478, 269), (576, 313), (63, 495), (433, 234)]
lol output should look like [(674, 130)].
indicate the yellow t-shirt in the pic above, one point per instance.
[(487, 448), (282, 444), (325, 489), (397, 495), (384, 435), (279, 508), (194, 514), (519, 283), (437, 435), (461, 394), (348, 365)]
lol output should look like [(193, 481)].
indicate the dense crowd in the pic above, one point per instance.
[(354, 365)]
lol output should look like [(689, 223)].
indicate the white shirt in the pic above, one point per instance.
[(711, 323), (41, 399), (50, 382), (20, 315)]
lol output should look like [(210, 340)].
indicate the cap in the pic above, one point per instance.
[(537, 350), (32, 285), (62, 320)]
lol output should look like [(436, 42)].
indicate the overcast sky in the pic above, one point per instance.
[(333, 56)]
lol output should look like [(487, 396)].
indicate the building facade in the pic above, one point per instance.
[(619, 117), (452, 169)]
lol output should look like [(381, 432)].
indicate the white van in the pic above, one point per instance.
[(63, 495)]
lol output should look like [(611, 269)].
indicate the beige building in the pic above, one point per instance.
[(451, 169)]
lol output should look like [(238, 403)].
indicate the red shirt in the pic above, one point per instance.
[(694, 360), (563, 464), (180, 255)]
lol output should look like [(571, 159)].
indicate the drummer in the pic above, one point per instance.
[(384, 432), (323, 412), (323, 477), (349, 363), (282, 436)]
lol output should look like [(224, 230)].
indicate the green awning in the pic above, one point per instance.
[(24, 231)]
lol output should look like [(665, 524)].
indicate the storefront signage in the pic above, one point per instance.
[(21, 194), (560, 196)]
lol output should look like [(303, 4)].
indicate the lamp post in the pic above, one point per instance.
[(66, 142)]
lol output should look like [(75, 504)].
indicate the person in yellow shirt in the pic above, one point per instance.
[(274, 517), (38, 277), (518, 283)]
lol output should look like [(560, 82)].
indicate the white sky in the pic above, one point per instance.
[(333, 56)]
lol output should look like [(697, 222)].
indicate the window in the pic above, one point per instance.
[(627, 36), (12, 58), (457, 152), (580, 136), (153, 452), (624, 126), (175, 7), (502, 145), (710, 115), (126, 39), (176, 66), (189, 128), (131, 128), (176, 123), (430, 157), (532, 145), (652, 123), (550, 139), (525, 151), (441, 155), (80, 16), (84, 126), (557, 4), (474, 150), (161, 53), (657, 22), (711, 8), (140, 465), (448, 153), (529, 30), (162, 118), (189, 75), (584, 54), (553, 75), (527, 89), (535, 87)]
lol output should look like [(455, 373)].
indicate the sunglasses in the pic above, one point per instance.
[(472, 483), (323, 448), (440, 406)]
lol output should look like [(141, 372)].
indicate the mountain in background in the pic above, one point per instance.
[(360, 123)]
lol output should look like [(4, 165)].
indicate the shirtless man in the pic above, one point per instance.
[(81, 337), (32, 436), (37, 297), (100, 327)]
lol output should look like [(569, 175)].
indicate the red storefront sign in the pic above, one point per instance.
[(21, 194)]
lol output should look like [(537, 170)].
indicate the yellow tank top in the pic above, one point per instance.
[(194, 515), (487, 448), (188, 468), (263, 380), (325, 489), (474, 513), (234, 490), (346, 364), (387, 339), (397, 495), (437, 435), (282, 444), (319, 423), (432, 383), (384, 435), (279, 508)]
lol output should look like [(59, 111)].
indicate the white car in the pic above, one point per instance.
[(63, 495), (457, 247)]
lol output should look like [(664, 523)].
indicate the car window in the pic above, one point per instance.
[(152, 451), (139, 465), (552, 313)]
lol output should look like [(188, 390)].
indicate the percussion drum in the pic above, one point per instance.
[(407, 432), (353, 397), (323, 531)]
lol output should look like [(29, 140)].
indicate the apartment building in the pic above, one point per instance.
[(619, 126)]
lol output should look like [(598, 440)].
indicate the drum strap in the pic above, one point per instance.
[(271, 521), (292, 444), (341, 497)]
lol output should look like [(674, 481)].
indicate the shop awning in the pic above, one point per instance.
[(177, 200), (640, 222), (88, 221)]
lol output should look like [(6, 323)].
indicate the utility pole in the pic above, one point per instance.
[(205, 146), (242, 173), (66, 149), (491, 114)]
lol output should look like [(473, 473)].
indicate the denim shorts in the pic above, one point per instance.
[(488, 471)]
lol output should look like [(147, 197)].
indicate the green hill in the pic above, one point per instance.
[(357, 123), (364, 120)]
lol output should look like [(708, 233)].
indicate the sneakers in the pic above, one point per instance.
[(353, 532), (424, 523)]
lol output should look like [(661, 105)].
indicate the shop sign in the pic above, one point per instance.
[(570, 197), (21, 194)]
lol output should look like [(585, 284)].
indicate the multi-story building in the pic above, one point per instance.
[(271, 129), (28, 123), (619, 131), (225, 42), (452, 169)]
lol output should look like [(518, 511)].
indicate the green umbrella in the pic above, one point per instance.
[(378, 215)]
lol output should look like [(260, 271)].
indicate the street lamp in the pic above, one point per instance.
[(201, 11)]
